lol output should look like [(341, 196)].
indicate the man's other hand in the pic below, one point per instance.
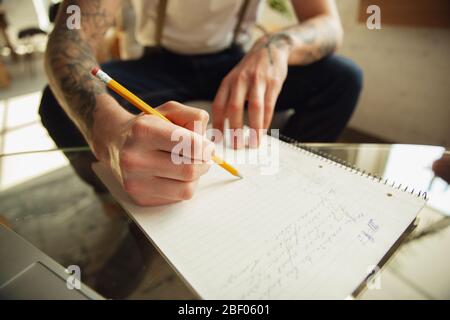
[(257, 80)]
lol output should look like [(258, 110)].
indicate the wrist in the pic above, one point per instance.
[(281, 42), (109, 120)]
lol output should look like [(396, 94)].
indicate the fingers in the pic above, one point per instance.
[(235, 112), (230, 100), (271, 96), (219, 105), (193, 119), (229, 103), (256, 113), (153, 133), (235, 105), (153, 179), (160, 161), (143, 191), (137, 167)]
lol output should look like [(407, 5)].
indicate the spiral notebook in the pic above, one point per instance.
[(304, 227)]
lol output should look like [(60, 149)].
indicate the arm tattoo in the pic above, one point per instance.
[(72, 58), (318, 38), (69, 59), (312, 40), (279, 40), (97, 18)]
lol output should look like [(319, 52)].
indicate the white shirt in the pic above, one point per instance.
[(194, 26)]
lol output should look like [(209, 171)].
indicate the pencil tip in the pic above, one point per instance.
[(239, 176)]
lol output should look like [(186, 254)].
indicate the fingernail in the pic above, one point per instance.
[(253, 139), (238, 142)]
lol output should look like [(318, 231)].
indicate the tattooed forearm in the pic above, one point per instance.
[(279, 40), (309, 41), (69, 60), (69, 57)]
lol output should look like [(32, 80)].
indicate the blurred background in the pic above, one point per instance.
[(405, 100), (406, 67)]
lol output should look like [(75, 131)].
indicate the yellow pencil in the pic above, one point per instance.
[(144, 107)]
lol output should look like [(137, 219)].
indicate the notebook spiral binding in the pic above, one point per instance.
[(323, 156)]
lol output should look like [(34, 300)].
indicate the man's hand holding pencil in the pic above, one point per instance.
[(138, 150)]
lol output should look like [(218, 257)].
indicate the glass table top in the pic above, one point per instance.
[(53, 199)]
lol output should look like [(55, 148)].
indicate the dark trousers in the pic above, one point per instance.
[(323, 95)]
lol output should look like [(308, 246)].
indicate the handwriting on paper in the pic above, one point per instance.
[(295, 250)]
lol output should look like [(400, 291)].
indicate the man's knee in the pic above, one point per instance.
[(47, 106), (348, 74), (59, 126)]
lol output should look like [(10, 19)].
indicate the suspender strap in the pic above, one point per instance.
[(161, 17), (241, 16)]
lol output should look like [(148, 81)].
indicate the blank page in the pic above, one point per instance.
[(315, 229)]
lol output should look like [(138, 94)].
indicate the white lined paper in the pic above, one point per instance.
[(310, 231)]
